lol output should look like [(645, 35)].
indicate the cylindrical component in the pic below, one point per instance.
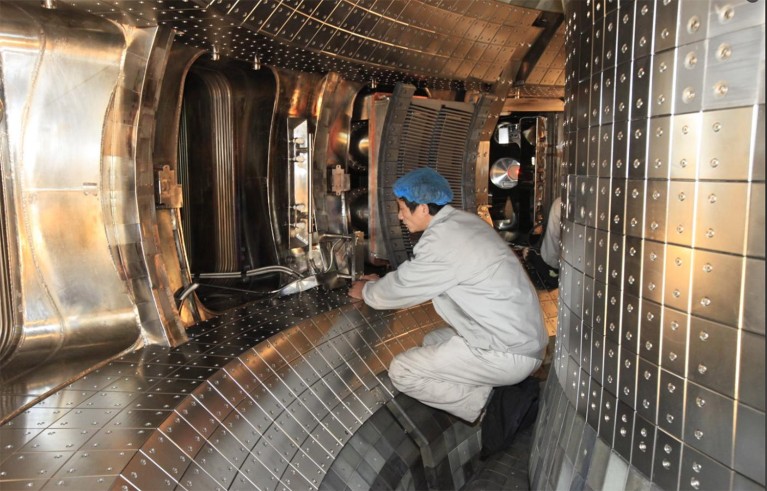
[(659, 367)]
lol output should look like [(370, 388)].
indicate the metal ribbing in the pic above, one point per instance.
[(183, 176), (222, 136)]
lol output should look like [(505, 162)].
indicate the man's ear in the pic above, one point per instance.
[(424, 208)]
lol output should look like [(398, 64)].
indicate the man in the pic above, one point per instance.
[(478, 286), (547, 262)]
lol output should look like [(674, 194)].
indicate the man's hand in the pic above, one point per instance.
[(355, 291)]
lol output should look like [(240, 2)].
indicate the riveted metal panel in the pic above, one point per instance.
[(677, 277), (716, 286), (648, 375), (613, 317), (756, 243), (588, 301), (616, 255), (720, 159), (594, 404), (640, 88), (681, 206), (630, 323), (656, 208), (627, 382), (610, 367), (635, 200), (748, 443), (732, 66), (753, 292), (595, 110), (602, 241), (674, 334), (653, 268), (644, 16), (671, 402), (650, 328), (589, 269), (667, 460), (701, 472), (624, 430), (643, 445), (607, 417), (659, 138), (752, 383), (597, 356), (620, 149), (609, 47), (688, 84), (617, 207), (721, 216), (603, 205), (709, 421), (685, 140), (623, 75)]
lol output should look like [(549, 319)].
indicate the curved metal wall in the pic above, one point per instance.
[(659, 366), (63, 98)]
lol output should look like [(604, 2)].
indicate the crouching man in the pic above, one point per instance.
[(478, 286)]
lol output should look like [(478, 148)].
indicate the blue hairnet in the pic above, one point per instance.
[(423, 186)]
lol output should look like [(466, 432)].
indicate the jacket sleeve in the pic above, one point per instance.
[(414, 282)]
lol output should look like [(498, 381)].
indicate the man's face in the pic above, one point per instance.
[(415, 221)]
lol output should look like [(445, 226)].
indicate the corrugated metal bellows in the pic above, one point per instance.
[(421, 132)]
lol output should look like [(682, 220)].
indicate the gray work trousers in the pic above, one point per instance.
[(448, 374)]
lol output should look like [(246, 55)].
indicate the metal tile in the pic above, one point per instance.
[(720, 160), (627, 382), (674, 341), (609, 46), (624, 430), (610, 367), (667, 460), (752, 384), (643, 445), (685, 140), (630, 323), (753, 315), (95, 463), (623, 75), (653, 270), (656, 208), (677, 277), (647, 390), (701, 472), (615, 266), (603, 204), (58, 439), (613, 317), (650, 329), (732, 65), (712, 353), (594, 404), (601, 256), (597, 356), (625, 34), (607, 417), (644, 17), (721, 216), (709, 422), (617, 207), (749, 442), (755, 245), (594, 113), (671, 402), (640, 87), (143, 473), (33, 465), (635, 198)]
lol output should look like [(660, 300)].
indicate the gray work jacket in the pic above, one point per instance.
[(477, 284)]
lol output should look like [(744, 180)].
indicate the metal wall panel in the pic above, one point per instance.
[(676, 365)]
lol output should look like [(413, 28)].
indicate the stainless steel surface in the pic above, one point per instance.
[(277, 411), (676, 260), (66, 226)]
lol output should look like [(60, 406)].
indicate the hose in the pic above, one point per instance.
[(249, 273)]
